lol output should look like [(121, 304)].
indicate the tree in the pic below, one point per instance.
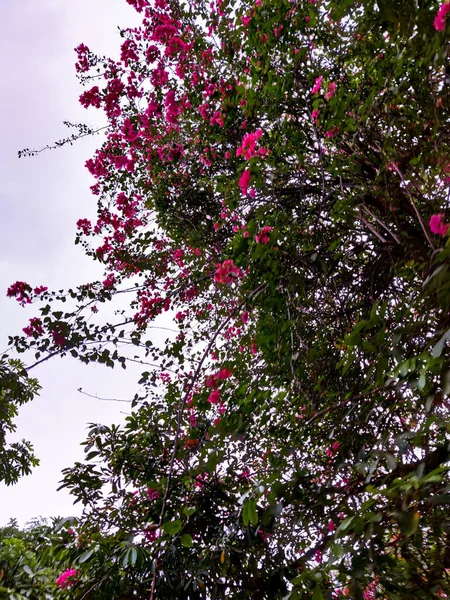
[(275, 175), (31, 559)]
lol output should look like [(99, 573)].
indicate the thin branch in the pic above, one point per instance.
[(328, 409), (180, 417), (103, 399), (411, 199), (381, 223)]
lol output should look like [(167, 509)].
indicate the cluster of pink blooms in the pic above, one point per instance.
[(248, 147), (226, 272), (439, 21), (34, 328), (244, 181), (436, 224), (331, 89), (82, 66), (91, 98), (58, 337), (22, 291), (66, 579), (263, 235), (334, 448), (152, 494), (213, 381), (317, 85)]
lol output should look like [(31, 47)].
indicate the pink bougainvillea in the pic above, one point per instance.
[(437, 226), (244, 181), (439, 21), (263, 235), (226, 272), (66, 579), (317, 85)]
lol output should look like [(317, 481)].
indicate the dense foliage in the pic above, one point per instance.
[(31, 559), (275, 177)]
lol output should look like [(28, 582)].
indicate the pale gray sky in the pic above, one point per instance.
[(41, 199)]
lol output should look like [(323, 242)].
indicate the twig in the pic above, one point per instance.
[(103, 399), (411, 199), (180, 418), (381, 223)]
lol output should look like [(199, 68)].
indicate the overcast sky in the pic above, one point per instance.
[(41, 199)]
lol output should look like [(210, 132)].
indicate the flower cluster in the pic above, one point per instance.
[(226, 272), (22, 292), (66, 579), (34, 328), (248, 147), (439, 21), (437, 226), (263, 236)]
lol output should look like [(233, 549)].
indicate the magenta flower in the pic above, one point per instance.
[(65, 580), (248, 146), (21, 292), (214, 397), (34, 329), (331, 90), (226, 272), (317, 85), (437, 226), (439, 21), (152, 494), (244, 181), (263, 236)]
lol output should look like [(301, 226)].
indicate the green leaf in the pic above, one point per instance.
[(172, 527), (317, 594), (186, 540), (86, 555), (250, 512), (28, 571)]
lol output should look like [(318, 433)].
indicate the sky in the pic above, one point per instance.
[(41, 199)]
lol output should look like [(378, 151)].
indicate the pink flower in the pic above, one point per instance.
[(439, 21), (277, 30), (244, 181), (315, 114), (437, 226), (109, 281), (20, 291), (317, 85), (35, 327), (263, 235), (40, 290), (214, 397), (85, 226), (331, 90), (331, 526), (248, 146), (65, 579), (226, 272), (91, 98), (152, 494)]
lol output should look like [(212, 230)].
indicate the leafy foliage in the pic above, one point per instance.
[(275, 175)]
